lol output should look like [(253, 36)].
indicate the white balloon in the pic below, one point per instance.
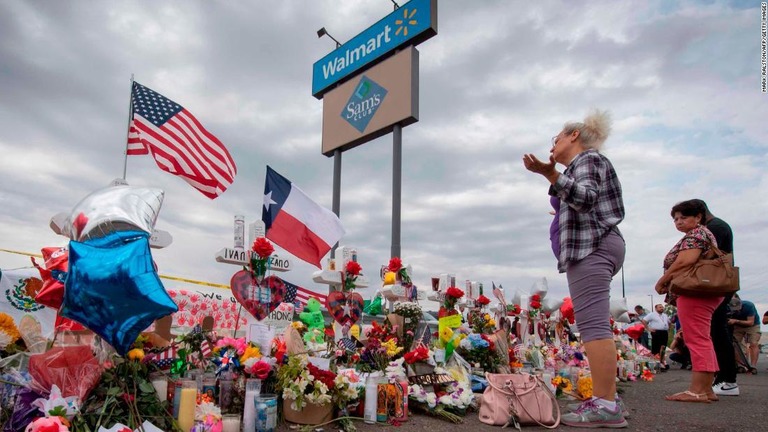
[(618, 307), (540, 287), (551, 304), (114, 208)]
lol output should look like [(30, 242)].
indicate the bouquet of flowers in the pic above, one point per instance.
[(562, 385), (480, 351), (482, 301), (302, 382), (381, 347), (449, 403), (482, 323), (411, 315)]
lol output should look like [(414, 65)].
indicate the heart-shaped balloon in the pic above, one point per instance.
[(257, 298), (345, 308)]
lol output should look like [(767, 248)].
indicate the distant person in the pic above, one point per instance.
[(591, 251), (725, 379), (641, 313), (695, 312), (746, 329), (657, 322), (765, 318), (680, 352)]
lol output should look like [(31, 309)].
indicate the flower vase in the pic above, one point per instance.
[(311, 414)]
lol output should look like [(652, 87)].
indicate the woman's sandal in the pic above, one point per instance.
[(712, 397), (688, 396)]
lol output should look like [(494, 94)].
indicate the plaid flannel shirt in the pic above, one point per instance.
[(590, 205)]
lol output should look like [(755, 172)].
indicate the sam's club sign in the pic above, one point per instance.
[(411, 24), (363, 103)]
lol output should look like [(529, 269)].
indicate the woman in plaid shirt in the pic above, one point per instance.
[(590, 252)]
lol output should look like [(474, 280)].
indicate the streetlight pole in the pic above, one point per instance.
[(651, 296)]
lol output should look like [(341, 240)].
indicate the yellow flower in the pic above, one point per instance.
[(250, 352), (584, 387), (298, 325), (8, 327), (487, 317), (392, 348), (491, 323), (136, 354), (446, 334)]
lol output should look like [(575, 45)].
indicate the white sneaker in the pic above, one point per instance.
[(726, 389)]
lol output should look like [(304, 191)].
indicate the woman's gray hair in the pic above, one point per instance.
[(593, 131)]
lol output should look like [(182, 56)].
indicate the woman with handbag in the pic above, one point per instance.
[(590, 251), (695, 312)]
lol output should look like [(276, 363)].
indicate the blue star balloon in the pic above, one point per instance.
[(113, 289)]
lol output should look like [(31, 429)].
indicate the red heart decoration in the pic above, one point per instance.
[(345, 308), (247, 290)]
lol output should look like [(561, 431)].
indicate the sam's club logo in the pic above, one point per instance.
[(363, 103)]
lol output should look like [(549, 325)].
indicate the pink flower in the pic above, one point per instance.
[(261, 370), (47, 424)]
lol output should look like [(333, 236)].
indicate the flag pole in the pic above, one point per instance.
[(128, 132)]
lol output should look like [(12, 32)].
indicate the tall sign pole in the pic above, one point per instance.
[(369, 87)]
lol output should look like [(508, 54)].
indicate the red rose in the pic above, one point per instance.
[(535, 298), (353, 268), (395, 264), (262, 247), (482, 300), (454, 292), (535, 304), (261, 370)]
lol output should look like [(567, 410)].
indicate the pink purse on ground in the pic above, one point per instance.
[(518, 399)]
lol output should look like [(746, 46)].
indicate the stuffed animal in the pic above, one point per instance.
[(312, 316)]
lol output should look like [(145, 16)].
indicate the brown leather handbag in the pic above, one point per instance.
[(708, 277)]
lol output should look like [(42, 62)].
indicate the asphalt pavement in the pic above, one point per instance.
[(649, 411)]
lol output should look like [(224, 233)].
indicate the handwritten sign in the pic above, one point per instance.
[(280, 318), (451, 321), (261, 334)]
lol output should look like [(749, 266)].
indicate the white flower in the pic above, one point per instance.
[(206, 409), (431, 400), (288, 393), (55, 399)]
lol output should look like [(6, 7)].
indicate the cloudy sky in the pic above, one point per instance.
[(682, 80)]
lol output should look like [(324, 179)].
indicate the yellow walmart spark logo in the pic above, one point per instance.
[(408, 20)]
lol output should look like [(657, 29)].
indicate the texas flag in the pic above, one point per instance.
[(296, 223)]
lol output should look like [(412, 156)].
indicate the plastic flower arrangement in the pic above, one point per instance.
[(302, 382), (396, 267), (647, 375), (534, 308), (227, 354), (451, 297), (351, 272), (210, 416), (420, 353), (261, 249), (482, 301)]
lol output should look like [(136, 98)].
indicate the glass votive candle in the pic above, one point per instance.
[(266, 412), (230, 423), (252, 390), (160, 383), (187, 403)]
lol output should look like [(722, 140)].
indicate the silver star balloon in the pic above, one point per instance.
[(114, 208)]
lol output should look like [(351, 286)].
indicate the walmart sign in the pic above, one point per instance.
[(411, 24)]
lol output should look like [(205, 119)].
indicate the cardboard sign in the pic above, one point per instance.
[(280, 318)]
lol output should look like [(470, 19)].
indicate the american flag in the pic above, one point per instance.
[(165, 358), (299, 295), (178, 142)]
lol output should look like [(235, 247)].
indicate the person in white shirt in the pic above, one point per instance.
[(657, 322)]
